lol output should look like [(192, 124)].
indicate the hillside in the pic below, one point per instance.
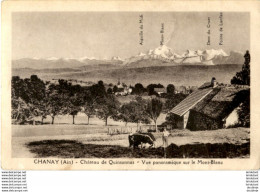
[(178, 75), (59, 63)]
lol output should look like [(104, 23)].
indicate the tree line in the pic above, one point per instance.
[(243, 78), (32, 97)]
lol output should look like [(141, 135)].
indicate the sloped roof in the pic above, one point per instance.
[(191, 101), (221, 102), (205, 85)]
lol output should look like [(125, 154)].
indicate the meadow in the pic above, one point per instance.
[(65, 140)]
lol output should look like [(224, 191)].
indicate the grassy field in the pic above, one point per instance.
[(75, 149), (81, 140)]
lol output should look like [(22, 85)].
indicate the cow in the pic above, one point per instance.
[(137, 139)]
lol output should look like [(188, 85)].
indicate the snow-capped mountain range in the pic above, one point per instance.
[(162, 55), (165, 53)]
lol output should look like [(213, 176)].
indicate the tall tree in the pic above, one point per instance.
[(17, 98), (244, 113), (170, 90), (43, 110), (74, 106), (125, 113), (115, 89), (75, 101), (98, 90), (32, 91), (138, 112), (109, 91), (107, 107), (154, 109), (243, 77), (89, 104), (138, 89), (57, 99), (150, 88), (64, 98)]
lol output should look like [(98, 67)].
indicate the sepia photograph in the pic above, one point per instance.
[(130, 85)]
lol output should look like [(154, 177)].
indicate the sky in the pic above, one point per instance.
[(108, 34)]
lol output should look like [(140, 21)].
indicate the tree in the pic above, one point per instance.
[(154, 109), (75, 101), (89, 105), (37, 95), (27, 97), (74, 106), (107, 107), (109, 91), (55, 106), (57, 100), (64, 98), (19, 108), (243, 77), (244, 113), (43, 110), (138, 113), (115, 89), (170, 90), (138, 89), (17, 98), (150, 88), (98, 90), (125, 113)]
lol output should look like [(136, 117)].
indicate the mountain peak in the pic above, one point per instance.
[(212, 53), (162, 51)]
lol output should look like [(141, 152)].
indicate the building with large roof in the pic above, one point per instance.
[(210, 107)]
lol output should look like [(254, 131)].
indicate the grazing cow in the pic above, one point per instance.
[(140, 138)]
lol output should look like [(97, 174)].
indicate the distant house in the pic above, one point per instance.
[(181, 89), (160, 91), (210, 107), (123, 89)]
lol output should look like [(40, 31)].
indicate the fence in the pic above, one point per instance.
[(130, 129)]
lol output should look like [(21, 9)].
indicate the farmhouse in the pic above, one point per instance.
[(212, 106)]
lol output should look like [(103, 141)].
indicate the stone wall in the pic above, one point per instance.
[(198, 121)]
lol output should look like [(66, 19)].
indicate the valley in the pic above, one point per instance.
[(188, 75)]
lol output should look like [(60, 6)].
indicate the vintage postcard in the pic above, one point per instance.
[(130, 85)]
